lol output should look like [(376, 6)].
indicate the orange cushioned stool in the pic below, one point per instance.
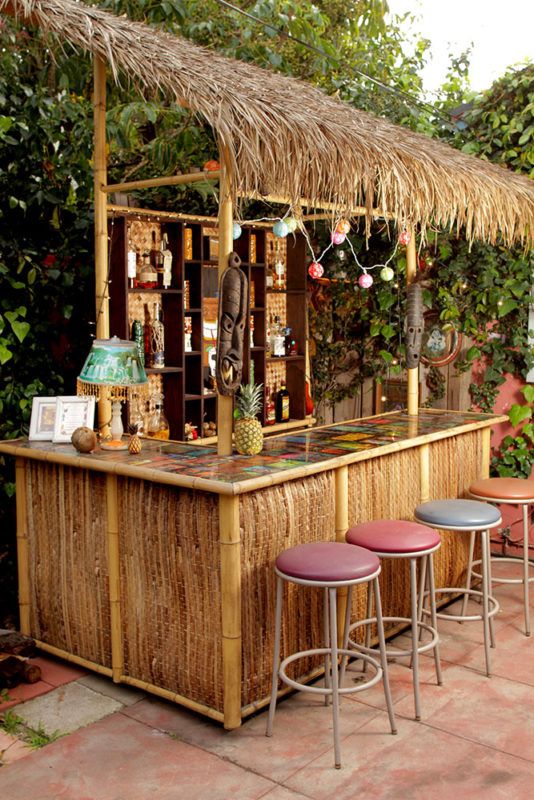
[(513, 492), (402, 539)]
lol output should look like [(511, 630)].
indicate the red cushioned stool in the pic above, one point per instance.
[(506, 491), (329, 566), (410, 540)]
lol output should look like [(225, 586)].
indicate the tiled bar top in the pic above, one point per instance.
[(284, 457)]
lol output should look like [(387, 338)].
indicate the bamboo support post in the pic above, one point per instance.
[(342, 524), (413, 374), (225, 404), (169, 180), (424, 465), (486, 453), (230, 544), (117, 660), (22, 547), (101, 222)]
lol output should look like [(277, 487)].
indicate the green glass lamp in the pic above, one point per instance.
[(113, 370)]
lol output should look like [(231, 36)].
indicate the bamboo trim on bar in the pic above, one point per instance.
[(169, 180), (117, 655), (230, 544), (342, 523), (173, 697), (486, 453), (424, 462), (23, 561), (81, 662)]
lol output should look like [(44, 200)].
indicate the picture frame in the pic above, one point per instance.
[(391, 395), (42, 419), (71, 413)]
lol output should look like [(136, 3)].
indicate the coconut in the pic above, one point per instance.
[(84, 439)]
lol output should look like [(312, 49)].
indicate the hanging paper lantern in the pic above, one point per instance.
[(212, 166), (386, 273), (343, 226), (338, 237), (315, 270), (237, 231), (291, 223), (405, 237), (280, 229), (365, 281)]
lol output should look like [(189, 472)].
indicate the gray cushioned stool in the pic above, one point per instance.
[(472, 517)]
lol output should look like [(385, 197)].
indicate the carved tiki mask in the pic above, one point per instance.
[(233, 311)]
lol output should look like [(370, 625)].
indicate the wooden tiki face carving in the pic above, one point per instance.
[(233, 310)]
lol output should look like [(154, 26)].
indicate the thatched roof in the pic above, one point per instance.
[(286, 136)]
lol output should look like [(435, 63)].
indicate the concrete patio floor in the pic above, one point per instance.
[(475, 738)]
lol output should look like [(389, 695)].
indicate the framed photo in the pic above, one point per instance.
[(72, 413), (391, 395), (42, 419)]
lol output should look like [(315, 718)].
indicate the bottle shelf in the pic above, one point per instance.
[(284, 291), (274, 359), (192, 352), (193, 397), (160, 370), (139, 290)]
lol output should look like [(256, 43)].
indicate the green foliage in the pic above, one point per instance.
[(515, 456), (35, 738)]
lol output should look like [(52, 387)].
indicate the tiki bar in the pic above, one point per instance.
[(151, 559)]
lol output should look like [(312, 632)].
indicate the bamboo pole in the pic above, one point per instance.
[(74, 659), (101, 222), (117, 658), (424, 466), (174, 697), (342, 524), (169, 180), (23, 561), (305, 202), (230, 544), (413, 374), (225, 404), (486, 453)]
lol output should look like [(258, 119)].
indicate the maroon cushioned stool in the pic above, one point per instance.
[(506, 491), (328, 566), (410, 540)]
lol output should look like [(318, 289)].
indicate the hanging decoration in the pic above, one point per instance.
[(365, 281), (315, 270), (387, 274), (236, 231), (405, 237), (281, 229)]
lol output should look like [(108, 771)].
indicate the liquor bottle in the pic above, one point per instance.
[(279, 270), (156, 257), (138, 336), (158, 424), (268, 337), (137, 419), (270, 410), (157, 338), (287, 341), (147, 333), (252, 294), (132, 265), (166, 260), (148, 277), (188, 334), (277, 339), (251, 330), (282, 404)]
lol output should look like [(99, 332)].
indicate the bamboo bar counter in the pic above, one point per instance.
[(157, 569)]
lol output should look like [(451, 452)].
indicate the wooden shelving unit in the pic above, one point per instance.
[(185, 380)]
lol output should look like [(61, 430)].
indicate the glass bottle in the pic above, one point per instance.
[(147, 335), (158, 425), (268, 337), (277, 339), (279, 270), (270, 411), (137, 419), (132, 265), (282, 404), (157, 338), (166, 260), (148, 277)]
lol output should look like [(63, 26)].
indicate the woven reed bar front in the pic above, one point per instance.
[(157, 569)]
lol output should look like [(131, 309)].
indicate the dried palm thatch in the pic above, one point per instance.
[(285, 136)]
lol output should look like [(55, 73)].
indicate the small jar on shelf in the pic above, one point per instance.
[(158, 425)]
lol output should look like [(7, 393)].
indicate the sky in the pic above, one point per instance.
[(502, 35)]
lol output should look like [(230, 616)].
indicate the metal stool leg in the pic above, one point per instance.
[(490, 586), (326, 639), (433, 613), (485, 603), (346, 634), (335, 674), (469, 570), (525, 571), (369, 613), (415, 636), (383, 657), (276, 655)]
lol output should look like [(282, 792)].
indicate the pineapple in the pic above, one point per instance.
[(248, 434), (134, 445)]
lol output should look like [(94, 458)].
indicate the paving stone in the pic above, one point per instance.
[(67, 708), (126, 695), (11, 749)]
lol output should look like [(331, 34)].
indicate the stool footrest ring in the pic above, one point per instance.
[(323, 651), (505, 559), (495, 607), (390, 652)]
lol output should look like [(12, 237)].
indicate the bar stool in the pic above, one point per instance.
[(328, 566), (474, 517), (507, 491), (399, 539)]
